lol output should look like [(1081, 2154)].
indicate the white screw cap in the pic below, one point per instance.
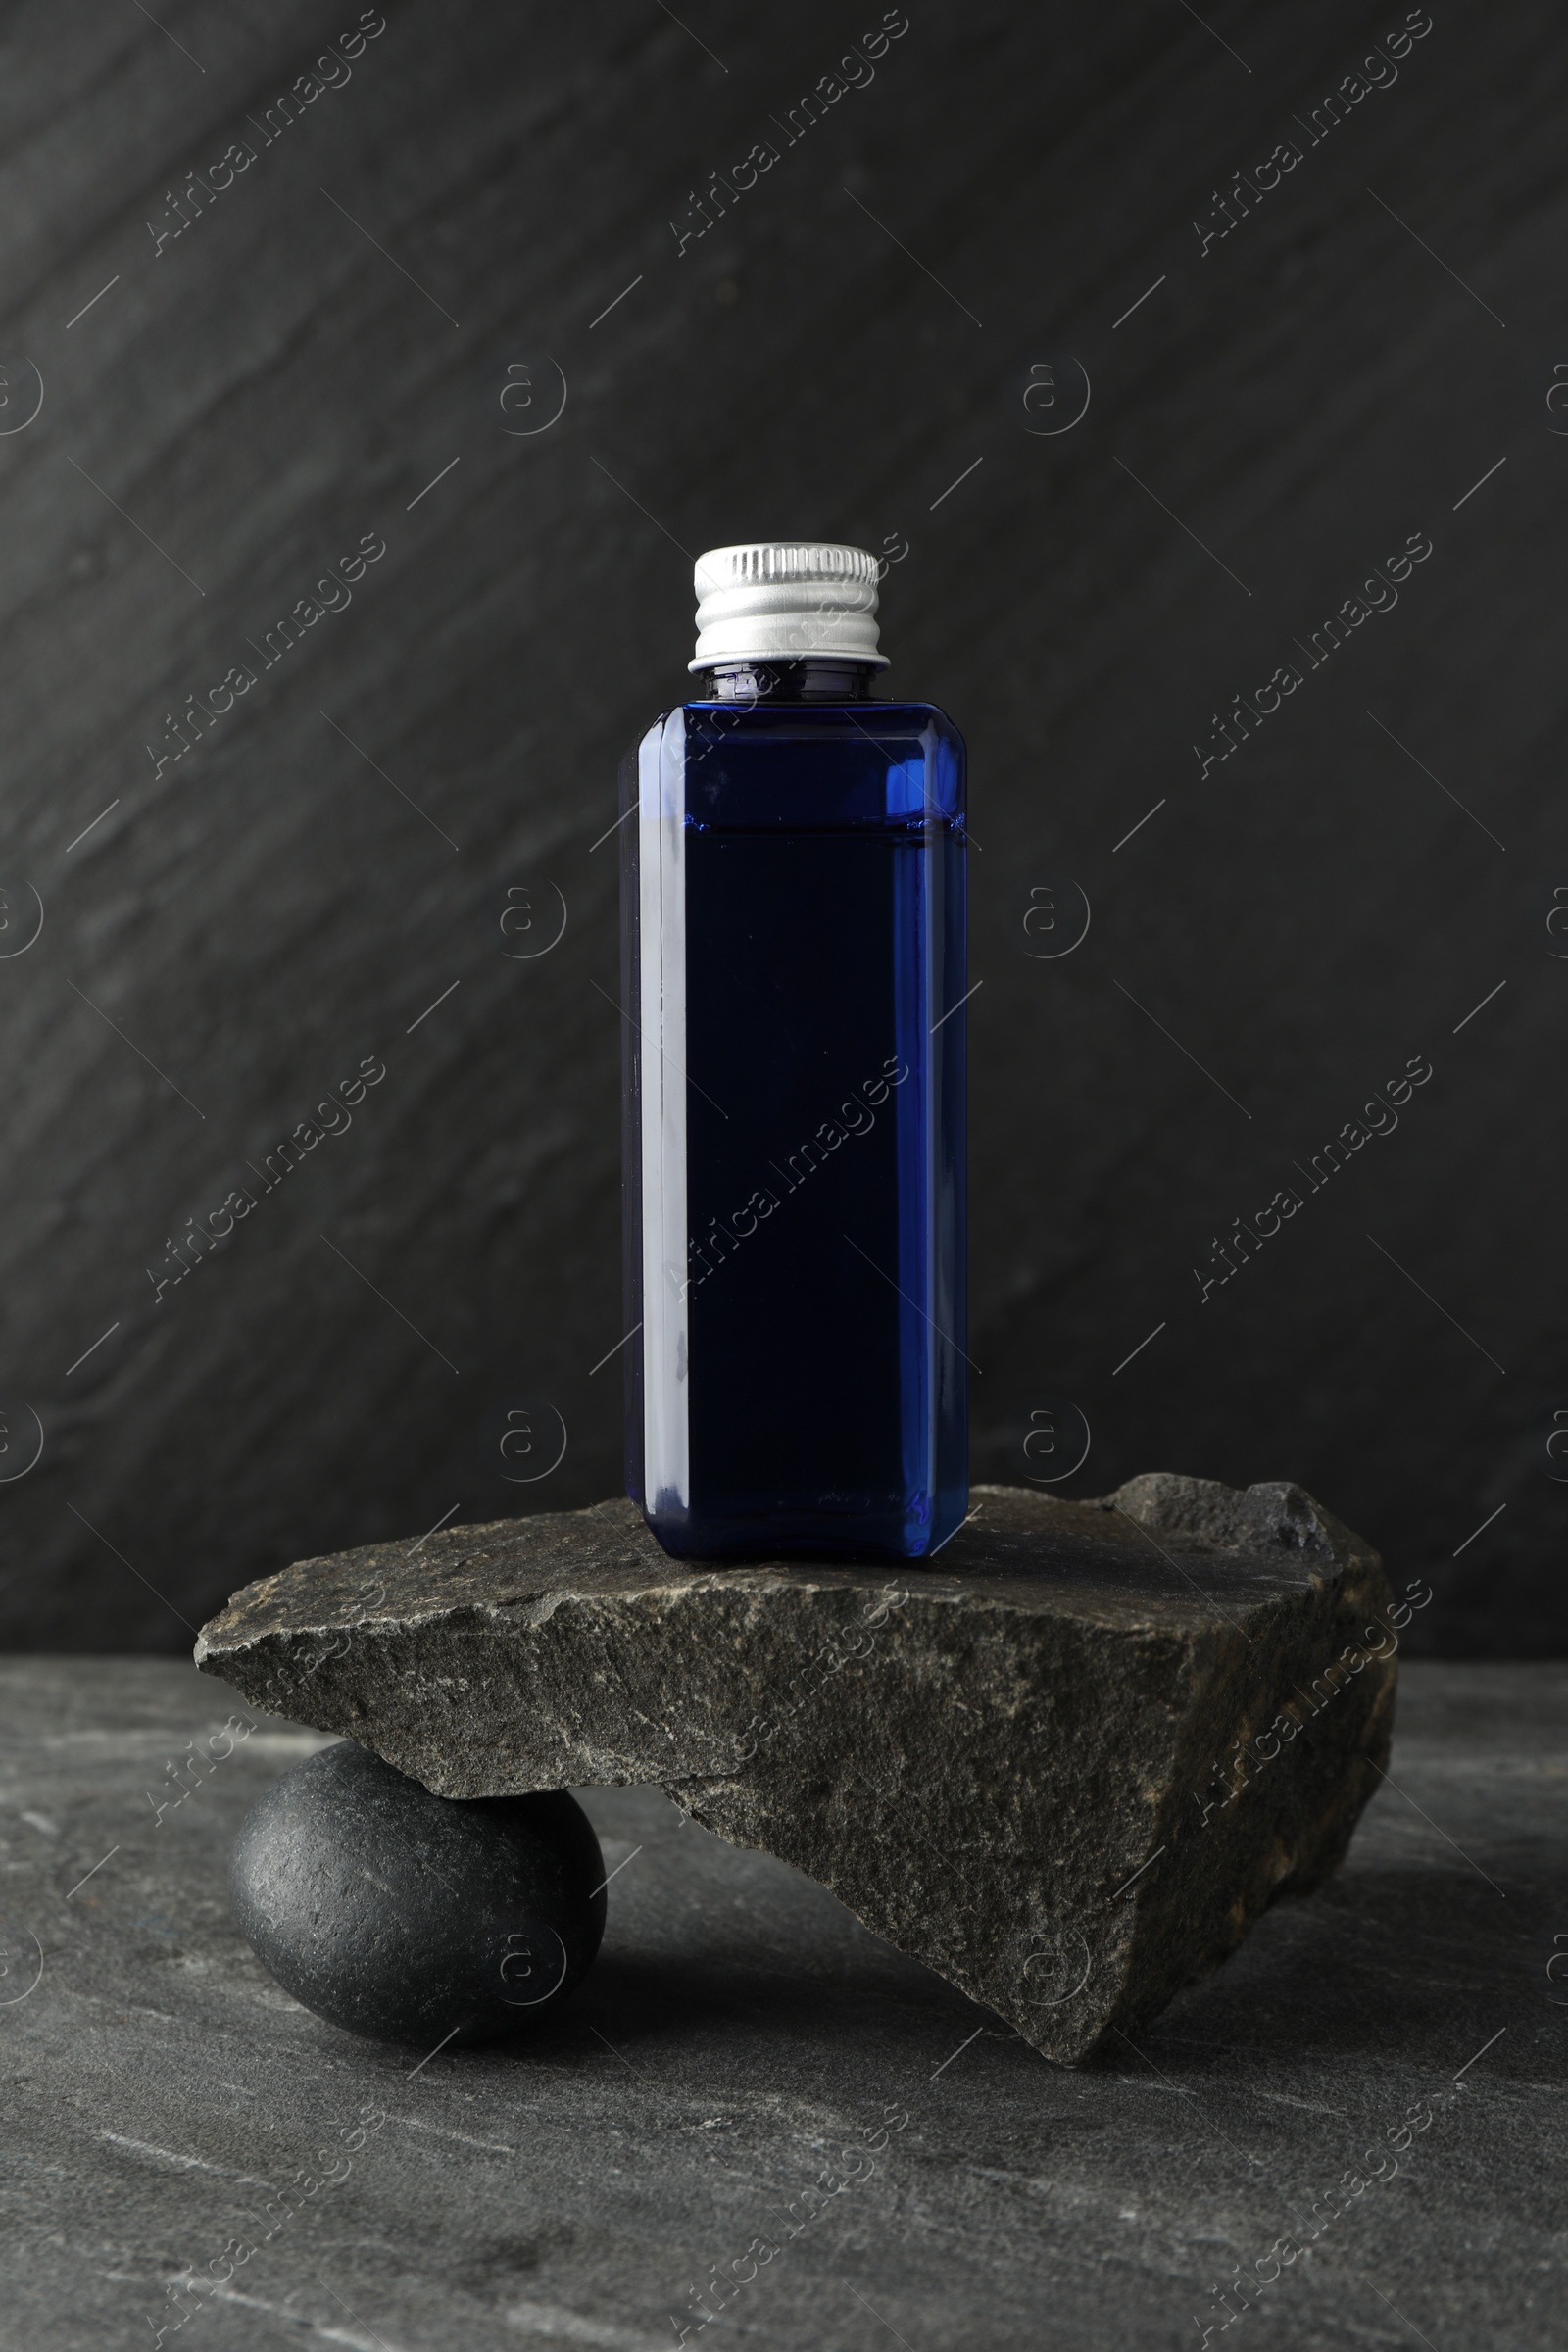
[(780, 600)]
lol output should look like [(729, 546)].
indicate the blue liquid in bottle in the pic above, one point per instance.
[(793, 952)]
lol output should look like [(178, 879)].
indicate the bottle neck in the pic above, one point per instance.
[(813, 680)]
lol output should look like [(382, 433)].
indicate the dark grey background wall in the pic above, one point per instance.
[(319, 359)]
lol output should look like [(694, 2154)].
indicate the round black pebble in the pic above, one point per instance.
[(410, 1917)]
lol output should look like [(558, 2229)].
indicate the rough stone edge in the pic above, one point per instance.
[(1353, 1590)]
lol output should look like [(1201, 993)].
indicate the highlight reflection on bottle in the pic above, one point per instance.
[(793, 976)]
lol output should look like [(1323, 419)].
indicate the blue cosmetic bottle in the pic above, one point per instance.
[(793, 982)]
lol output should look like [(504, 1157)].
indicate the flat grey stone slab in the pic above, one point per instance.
[(741, 2029), (1068, 1763)]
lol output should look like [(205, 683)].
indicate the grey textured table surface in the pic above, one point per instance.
[(165, 2101)]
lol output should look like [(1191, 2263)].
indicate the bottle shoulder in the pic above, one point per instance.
[(766, 765), (814, 719), (742, 724)]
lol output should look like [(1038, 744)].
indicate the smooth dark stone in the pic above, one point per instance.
[(417, 1918)]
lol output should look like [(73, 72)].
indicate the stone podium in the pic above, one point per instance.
[(1068, 1764)]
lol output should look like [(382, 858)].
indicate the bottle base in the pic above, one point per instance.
[(915, 1533)]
